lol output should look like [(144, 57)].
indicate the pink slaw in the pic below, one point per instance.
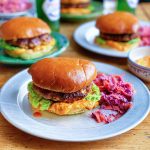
[(144, 33), (11, 6), (116, 97)]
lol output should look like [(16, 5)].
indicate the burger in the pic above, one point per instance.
[(26, 38), (118, 30), (63, 86), (75, 7)]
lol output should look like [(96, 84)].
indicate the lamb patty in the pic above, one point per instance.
[(29, 43), (118, 37), (65, 97), (80, 5)]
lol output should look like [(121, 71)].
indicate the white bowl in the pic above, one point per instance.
[(140, 71)]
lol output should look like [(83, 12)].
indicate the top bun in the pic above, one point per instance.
[(74, 1), (23, 27), (62, 74), (117, 23)]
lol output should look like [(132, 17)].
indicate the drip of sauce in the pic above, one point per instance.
[(37, 114)]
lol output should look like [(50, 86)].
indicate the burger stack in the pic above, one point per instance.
[(26, 38), (63, 86), (118, 30)]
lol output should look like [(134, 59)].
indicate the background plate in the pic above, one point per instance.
[(95, 13), (15, 108), (61, 45), (85, 35)]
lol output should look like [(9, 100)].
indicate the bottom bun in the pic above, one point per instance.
[(26, 54), (62, 108), (120, 46), (75, 11), (76, 107), (39, 103)]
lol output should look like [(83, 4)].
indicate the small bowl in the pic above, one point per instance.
[(140, 71)]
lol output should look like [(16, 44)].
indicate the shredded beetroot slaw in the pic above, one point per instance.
[(144, 32), (116, 97)]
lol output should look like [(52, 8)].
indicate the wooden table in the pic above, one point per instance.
[(135, 139)]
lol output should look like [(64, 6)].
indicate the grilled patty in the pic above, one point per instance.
[(80, 5), (65, 97), (118, 37), (29, 43)]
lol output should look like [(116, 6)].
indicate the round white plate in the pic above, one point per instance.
[(16, 109), (85, 35)]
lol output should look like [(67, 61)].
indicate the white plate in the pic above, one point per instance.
[(85, 35), (16, 109)]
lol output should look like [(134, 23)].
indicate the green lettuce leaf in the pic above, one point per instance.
[(133, 41), (44, 104), (36, 100), (7, 46), (90, 7), (95, 94), (100, 40)]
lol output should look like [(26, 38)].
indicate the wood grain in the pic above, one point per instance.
[(136, 139)]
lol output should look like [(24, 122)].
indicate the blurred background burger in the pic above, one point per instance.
[(63, 86), (118, 30), (26, 38), (75, 6)]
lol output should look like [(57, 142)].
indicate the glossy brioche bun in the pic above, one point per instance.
[(23, 27), (74, 1), (62, 74), (117, 23)]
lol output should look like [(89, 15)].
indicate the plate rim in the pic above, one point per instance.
[(76, 140)]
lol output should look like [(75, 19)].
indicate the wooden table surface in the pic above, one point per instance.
[(135, 139)]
